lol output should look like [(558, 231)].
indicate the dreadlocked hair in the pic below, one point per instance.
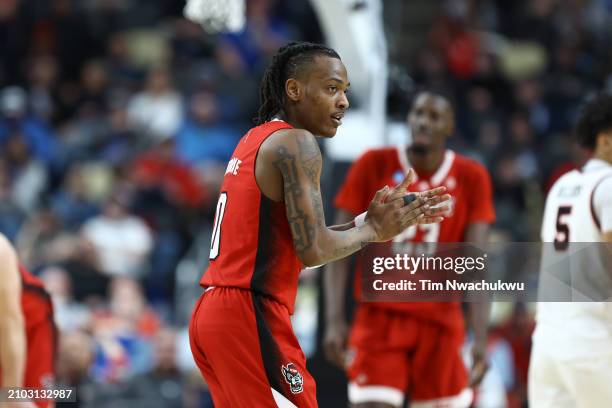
[(285, 64)]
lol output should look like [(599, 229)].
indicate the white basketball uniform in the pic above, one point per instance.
[(571, 359)]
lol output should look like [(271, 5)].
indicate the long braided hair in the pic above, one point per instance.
[(285, 64)]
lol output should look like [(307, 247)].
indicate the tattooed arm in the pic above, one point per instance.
[(299, 161), (295, 154)]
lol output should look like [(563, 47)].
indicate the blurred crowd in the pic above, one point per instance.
[(118, 117)]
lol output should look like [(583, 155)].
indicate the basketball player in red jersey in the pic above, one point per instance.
[(412, 347), (269, 224), (27, 332)]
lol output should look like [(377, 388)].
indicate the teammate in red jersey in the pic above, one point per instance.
[(412, 347), (27, 332), (269, 223)]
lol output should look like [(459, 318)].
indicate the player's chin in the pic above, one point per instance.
[(328, 131)]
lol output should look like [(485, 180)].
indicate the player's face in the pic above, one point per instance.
[(324, 99), (430, 121)]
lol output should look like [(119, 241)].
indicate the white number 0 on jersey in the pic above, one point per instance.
[(216, 234)]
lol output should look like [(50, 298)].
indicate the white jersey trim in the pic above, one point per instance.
[(462, 400), (374, 393), (441, 172), (444, 169), (281, 401)]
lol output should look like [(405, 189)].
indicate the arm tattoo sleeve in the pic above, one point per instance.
[(311, 162), (301, 227)]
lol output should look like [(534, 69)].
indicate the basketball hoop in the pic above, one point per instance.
[(217, 15)]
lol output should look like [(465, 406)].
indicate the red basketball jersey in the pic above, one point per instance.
[(466, 181), (41, 334), (252, 246)]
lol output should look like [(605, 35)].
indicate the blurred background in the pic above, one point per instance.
[(118, 117)]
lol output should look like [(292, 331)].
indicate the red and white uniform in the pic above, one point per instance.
[(413, 347), (41, 334), (571, 358), (241, 334)]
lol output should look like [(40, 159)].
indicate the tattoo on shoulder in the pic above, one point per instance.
[(302, 229)]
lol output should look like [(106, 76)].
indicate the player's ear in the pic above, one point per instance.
[(293, 89)]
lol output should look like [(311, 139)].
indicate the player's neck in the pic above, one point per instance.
[(290, 118), (428, 162), (601, 156)]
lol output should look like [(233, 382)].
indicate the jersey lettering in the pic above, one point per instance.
[(233, 166)]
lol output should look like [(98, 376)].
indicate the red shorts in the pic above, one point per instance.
[(392, 354), (245, 348)]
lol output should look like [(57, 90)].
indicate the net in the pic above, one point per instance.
[(217, 15)]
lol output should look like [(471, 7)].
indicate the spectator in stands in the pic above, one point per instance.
[(71, 203), (123, 329), (69, 315), (121, 241), (163, 385), (74, 361), (203, 137), (34, 132), (157, 110)]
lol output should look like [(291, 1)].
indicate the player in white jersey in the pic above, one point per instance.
[(571, 359)]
